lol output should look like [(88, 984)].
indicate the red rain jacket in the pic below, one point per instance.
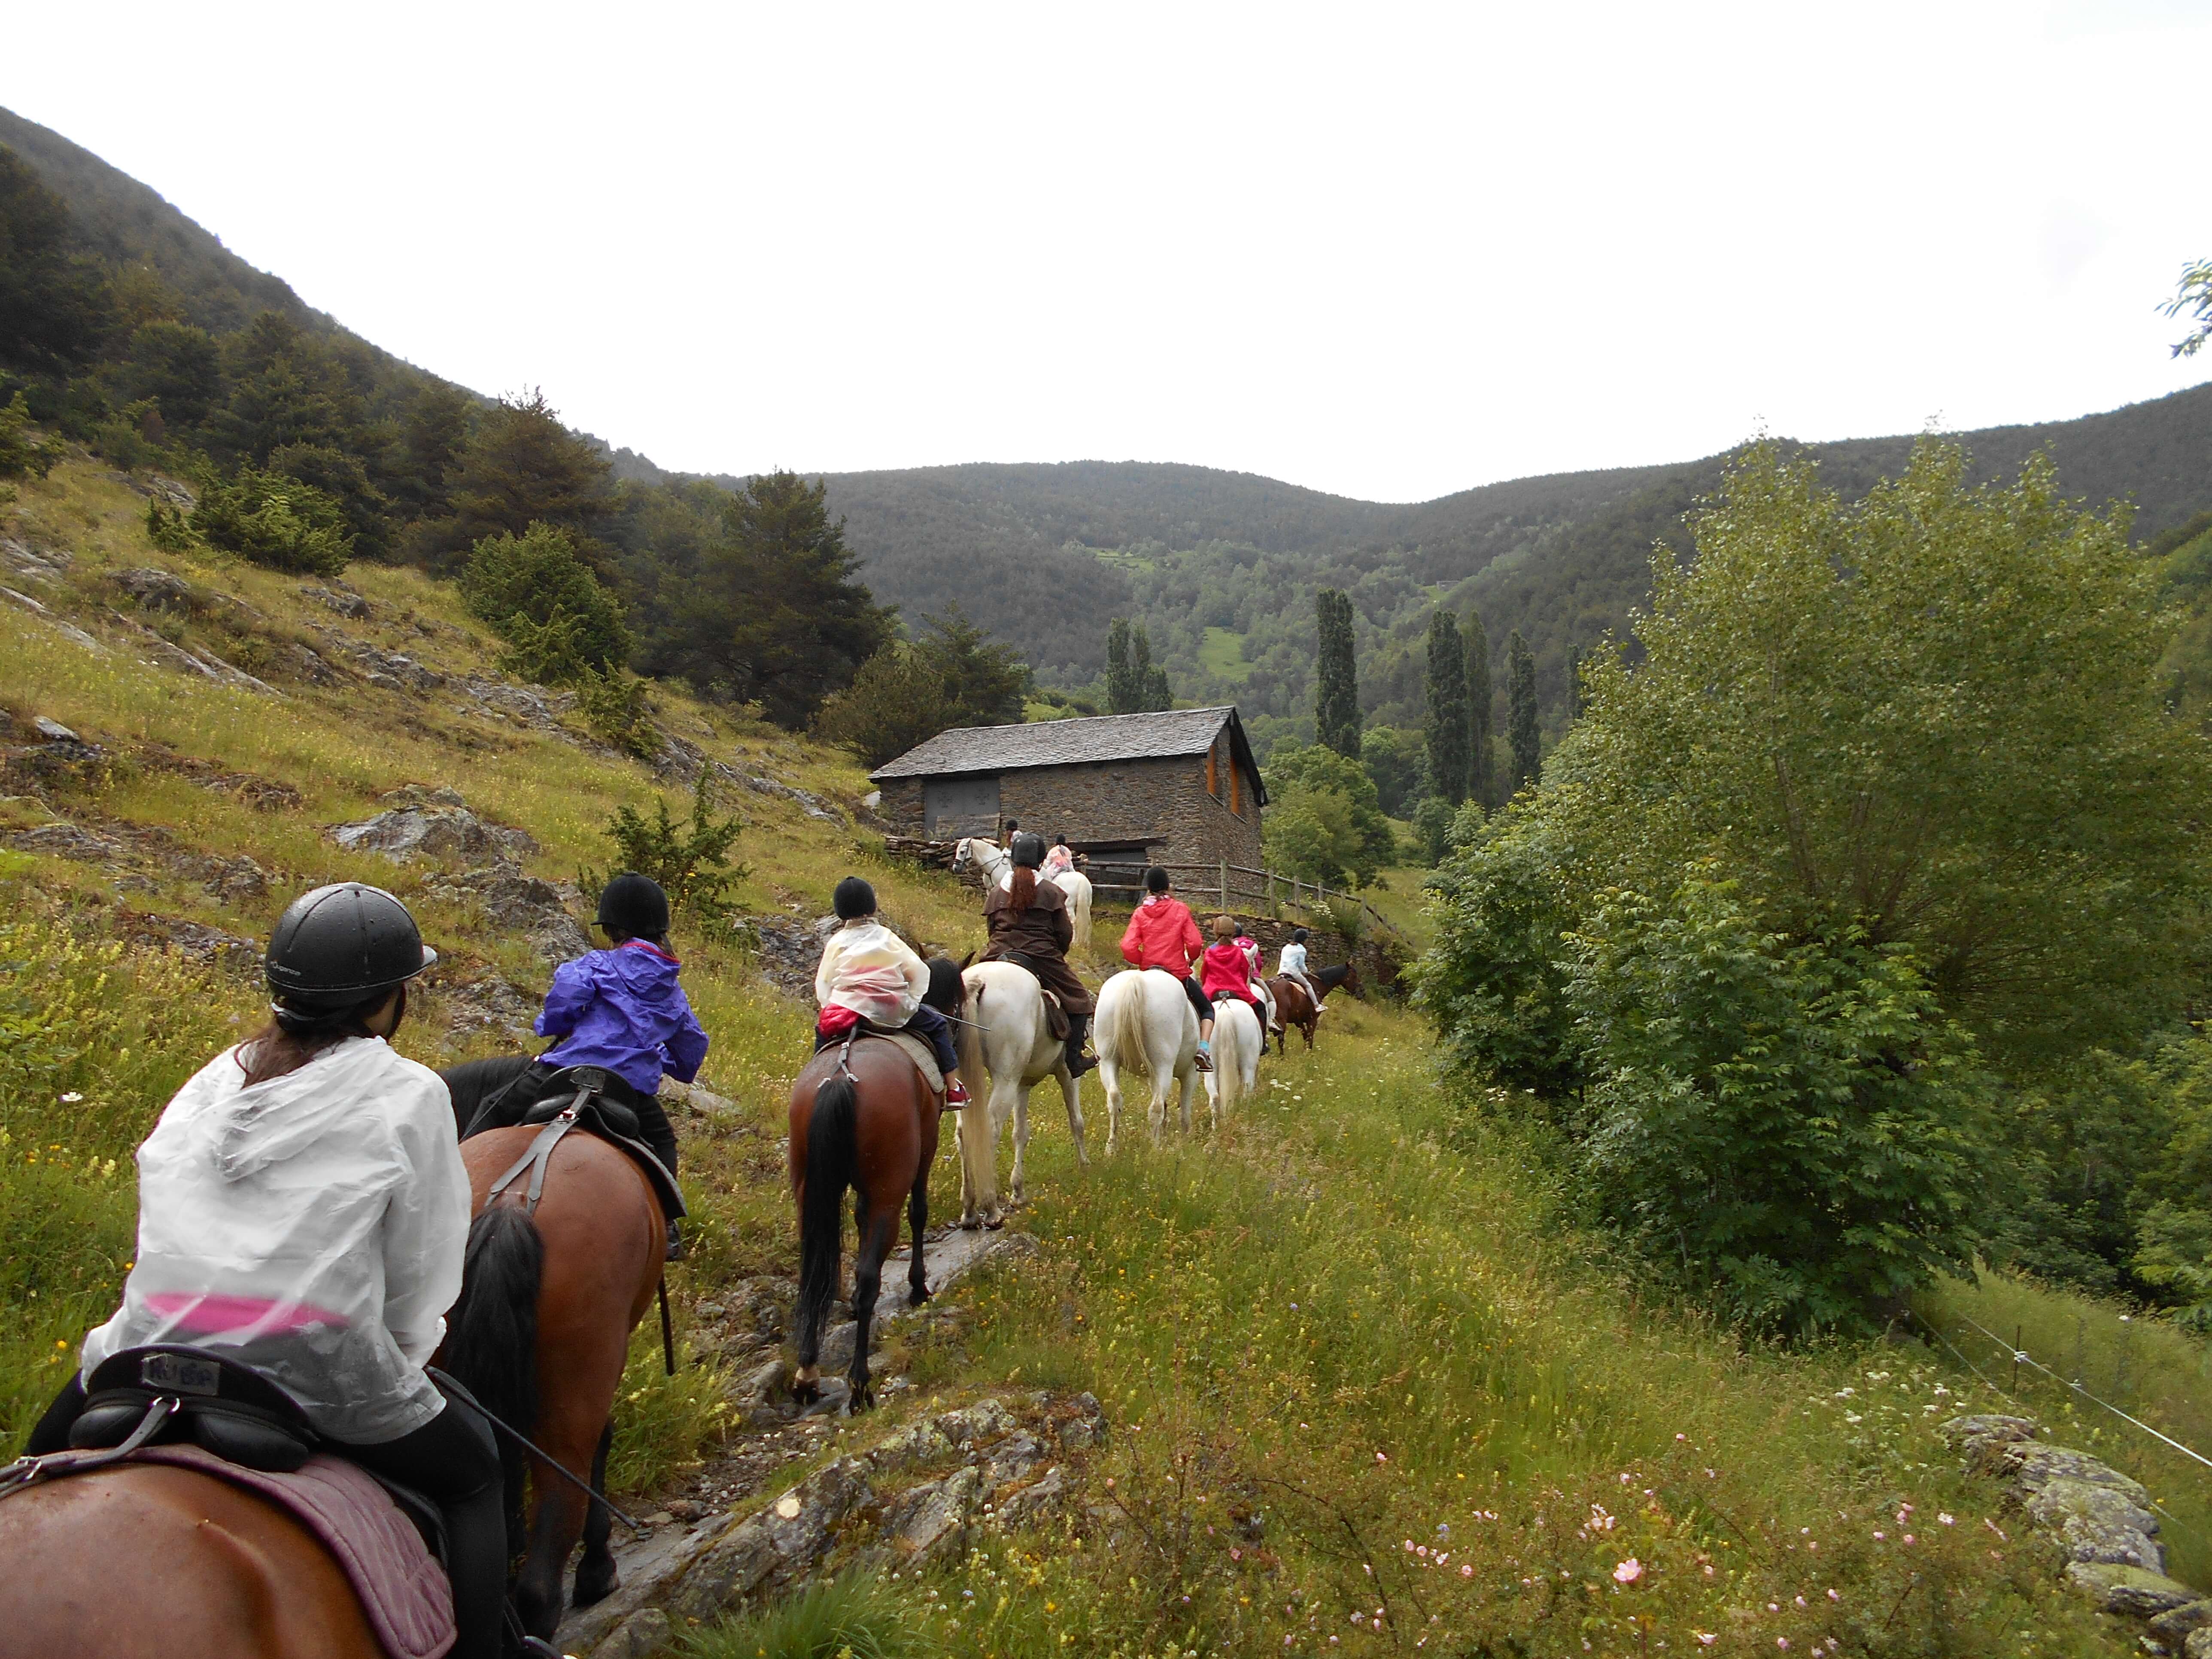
[(1162, 935)]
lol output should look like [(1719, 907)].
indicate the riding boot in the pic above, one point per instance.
[(454, 1461), (654, 1129), (1077, 1061)]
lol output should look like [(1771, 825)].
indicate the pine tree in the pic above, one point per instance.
[(1520, 714), (1121, 688), (1336, 693), (1150, 691), (1445, 727), (1482, 766)]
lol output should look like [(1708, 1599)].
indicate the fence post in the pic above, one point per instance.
[(1224, 883)]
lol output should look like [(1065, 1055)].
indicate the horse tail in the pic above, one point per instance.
[(1082, 919), (491, 1335), (1119, 1035), (832, 1163), (967, 1039)]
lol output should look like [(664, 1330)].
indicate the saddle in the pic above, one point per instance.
[(589, 1097)]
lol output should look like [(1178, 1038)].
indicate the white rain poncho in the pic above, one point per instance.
[(311, 1226), (867, 968)]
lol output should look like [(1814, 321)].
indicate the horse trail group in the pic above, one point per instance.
[(368, 1299)]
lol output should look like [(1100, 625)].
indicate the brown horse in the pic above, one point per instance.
[(541, 1330), (863, 1119), (1294, 1007), (149, 1559)]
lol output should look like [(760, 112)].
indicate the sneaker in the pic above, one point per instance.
[(955, 1094), (1202, 1060)]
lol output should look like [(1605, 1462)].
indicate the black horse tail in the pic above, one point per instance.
[(491, 1335), (832, 1163)]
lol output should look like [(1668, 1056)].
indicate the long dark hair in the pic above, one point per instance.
[(1022, 887), (293, 1037)]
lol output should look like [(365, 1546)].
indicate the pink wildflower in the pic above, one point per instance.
[(1628, 1571)]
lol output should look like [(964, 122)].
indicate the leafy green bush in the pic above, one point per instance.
[(911, 690), (1432, 827), (20, 455), (168, 529), (691, 862), (1796, 1124), (277, 522), (1324, 822), (617, 707), (852, 1617), (536, 592)]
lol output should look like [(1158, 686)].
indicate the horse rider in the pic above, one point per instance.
[(621, 1008), (302, 1212), (1163, 933), (1262, 998), (1059, 859), (1030, 926), (1292, 966), (870, 977), (1227, 969)]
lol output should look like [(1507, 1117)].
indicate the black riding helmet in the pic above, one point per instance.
[(634, 906), (1299, 935), (854, 898), (340, 945), (1027, 850)]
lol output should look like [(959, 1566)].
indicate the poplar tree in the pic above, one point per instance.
[(1121, 686), (1521, 712), (1336, 693), (1148, 681), (1482, 780), (1445, 727)]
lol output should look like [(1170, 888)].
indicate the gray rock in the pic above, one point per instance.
[(68, 631), (774, 1547), (919, 1444), (155, 589), (2131, 1590), (41, 564), (443, 832), (2098, 1523), (2033, 1466), (310, 665), (1040, 1500), (931, 1521), (2199, 1643), (645, 1631), (1011, 1458), (1989, 1429), (1087, 1427), (348, 604), (64, 839), (2173, 1627), (54, 731), (972, 1425), (518, 903)]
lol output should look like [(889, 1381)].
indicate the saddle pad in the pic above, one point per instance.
[(919, 1052), (402, 1588)]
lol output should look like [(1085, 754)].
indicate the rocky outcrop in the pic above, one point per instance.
[(786, 948), (2101, 1519), (993, 1465), (432, 823), (341, 599)]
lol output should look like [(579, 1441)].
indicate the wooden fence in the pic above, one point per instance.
[(1227, 883)]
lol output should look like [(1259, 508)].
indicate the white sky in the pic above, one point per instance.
[(1387, 251)]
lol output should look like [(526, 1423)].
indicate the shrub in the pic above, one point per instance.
[(21, 455), (615, 706), (852, 1617), (1432, 827), (1795, 1124), (1325, 824), (691, 862), (168, 529), (536, 592), (277, 522)]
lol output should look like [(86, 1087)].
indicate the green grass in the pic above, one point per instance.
[(850, 1618), (1221, 654)]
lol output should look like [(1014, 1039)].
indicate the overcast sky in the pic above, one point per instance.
[(1385, 251)]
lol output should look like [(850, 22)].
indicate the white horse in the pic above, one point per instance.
[(1238, 1043), (1008, 1037), (994, 860), (1145, 1021)]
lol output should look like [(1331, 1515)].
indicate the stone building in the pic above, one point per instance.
[(1127, 790)]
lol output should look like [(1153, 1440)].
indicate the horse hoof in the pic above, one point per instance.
[(918, 1295), (863, 1399), (805, 1393), (969, 1223), (994, 1224), (595, 1585)]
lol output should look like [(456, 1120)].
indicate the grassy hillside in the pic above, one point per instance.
[(1349, 1329)]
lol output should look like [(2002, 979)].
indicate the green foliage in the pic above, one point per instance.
[(1795, 1125), (169, 529), (766, 608), (1481, 783), (618, 708), (690, 860), (519, 467), (536, 592), (20, 455), (54, 312), (1336, 694), (1395, 758), (1446, 726), (275, 521), (178, 367), (853, 1616), (1121, 690), (1521, 732), (907, 693), (1323, 822), (2192, 295), (1432, 826), (985, 683), (346, 480)]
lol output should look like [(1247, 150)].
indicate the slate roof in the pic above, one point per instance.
[(1175, 732)]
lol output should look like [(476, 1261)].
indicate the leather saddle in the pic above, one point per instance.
[(594, 1099), (168, 1396)]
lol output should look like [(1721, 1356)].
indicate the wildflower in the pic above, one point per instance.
[(1467, 1571), (1908, 1538), (1943, 1519), (1878, 1537), (71, 1097), (1832, 1596), (1706, 1637), (1781, 1641), (1628, 1571)]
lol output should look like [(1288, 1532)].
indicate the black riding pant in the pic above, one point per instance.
[(452, 1460), (1197, 998)]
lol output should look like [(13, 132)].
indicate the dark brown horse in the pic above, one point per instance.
[(863, 1119), (151, 1558), (541, 1330), (1294, 1007)]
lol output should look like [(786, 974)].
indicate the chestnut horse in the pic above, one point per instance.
[(861, 1117), (542, 1329), (1294, 1007), (151, 1558)]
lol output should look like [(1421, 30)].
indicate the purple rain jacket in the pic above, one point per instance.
[(624, 1010)]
